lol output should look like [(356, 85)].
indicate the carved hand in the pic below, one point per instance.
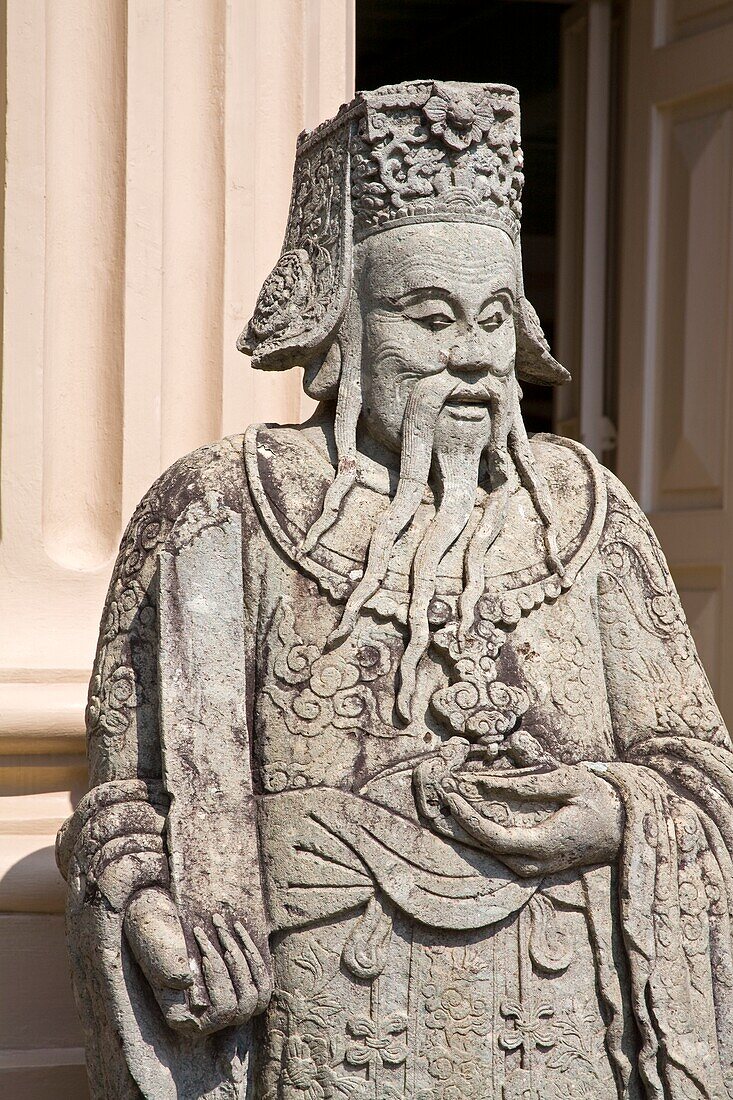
[(584, 828), (236, 977)]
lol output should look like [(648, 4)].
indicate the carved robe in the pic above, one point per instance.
[(238, 761)]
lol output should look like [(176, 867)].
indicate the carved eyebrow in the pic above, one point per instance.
[(505, 278), (505, 290), (418, 294)]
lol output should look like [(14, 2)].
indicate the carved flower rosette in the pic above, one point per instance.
[(477, 705)]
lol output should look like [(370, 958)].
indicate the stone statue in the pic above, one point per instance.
[(406, 780)]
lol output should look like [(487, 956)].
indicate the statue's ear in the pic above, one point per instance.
[(321, 375), (534, 362)]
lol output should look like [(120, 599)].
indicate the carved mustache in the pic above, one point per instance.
[(421, 414), (475, 395)]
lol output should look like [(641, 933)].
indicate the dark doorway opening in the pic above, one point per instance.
[(498, 41)]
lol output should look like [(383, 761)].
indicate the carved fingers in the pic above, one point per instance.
[(219, 983), (529, 851), (258, 969), (155, 935), (236, 977), (562, 784), (497, 838), (584, 829), (237, 980)]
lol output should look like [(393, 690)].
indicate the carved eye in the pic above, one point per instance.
[(435, 322), (494, 314), (493, 321), (432, 314)]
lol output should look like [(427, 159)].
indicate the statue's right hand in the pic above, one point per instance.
[(155, 935), (236, 978)]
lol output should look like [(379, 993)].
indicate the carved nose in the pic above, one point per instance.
[(469, 355)]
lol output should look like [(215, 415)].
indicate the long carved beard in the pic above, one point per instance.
[(421, 415), (457, 464), (458, 468)]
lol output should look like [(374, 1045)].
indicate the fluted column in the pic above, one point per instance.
[(193, 224), (148, 160), (82, 325)]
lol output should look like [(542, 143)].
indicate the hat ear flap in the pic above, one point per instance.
[(321, 376), (534, 362), (303, 300)]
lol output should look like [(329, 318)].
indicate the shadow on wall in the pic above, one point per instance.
[(32, 883), (42, 1051), (41, 1044)]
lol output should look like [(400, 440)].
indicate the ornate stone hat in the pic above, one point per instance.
[(420, 151)]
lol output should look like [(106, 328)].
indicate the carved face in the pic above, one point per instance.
[(437, 301)]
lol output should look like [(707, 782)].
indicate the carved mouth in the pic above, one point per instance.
[(468, 405)]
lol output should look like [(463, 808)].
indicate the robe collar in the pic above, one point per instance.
[(288, 476)]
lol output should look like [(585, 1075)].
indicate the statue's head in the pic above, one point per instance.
[(423, 153), (399, 292)]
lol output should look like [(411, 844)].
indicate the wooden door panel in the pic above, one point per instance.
[(689, 307), (676, 304), (684, 18)]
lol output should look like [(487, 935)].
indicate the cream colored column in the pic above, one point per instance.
[(299, 70), (82, 326), (193, 224), (149, 153)]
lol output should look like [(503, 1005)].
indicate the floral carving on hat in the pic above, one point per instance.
[(285, 293), (459, 121)]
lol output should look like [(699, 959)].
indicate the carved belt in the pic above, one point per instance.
[(327, 852)]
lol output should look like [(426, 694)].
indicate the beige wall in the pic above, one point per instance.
[(149, 152)]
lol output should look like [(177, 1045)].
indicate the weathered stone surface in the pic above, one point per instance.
[(407, 783)]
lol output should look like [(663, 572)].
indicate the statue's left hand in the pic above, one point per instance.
[(236, 978), (584, 828)]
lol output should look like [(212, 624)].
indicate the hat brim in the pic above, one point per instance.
[(534, 361)]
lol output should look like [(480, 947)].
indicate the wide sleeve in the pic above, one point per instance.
[(119, 839), (675, 775), (113, 843), (114, 839)]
